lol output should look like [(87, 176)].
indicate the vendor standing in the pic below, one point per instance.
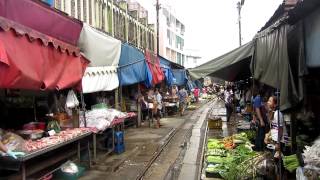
[(260, 119), (277, 125)]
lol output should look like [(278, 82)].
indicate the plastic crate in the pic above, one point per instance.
[(215, 123)]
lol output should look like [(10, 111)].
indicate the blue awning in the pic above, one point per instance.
[(133, 67), (167, 71), (180, 76)]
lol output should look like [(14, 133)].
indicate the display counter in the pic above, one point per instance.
[(38, 162)]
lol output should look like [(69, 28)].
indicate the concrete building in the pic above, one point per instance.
[(193, 58), (171, 35), (114, 18)]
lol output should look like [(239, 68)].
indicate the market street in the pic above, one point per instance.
[(159, 89), (143, 143)]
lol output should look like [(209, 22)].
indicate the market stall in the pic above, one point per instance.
[(31, 60)]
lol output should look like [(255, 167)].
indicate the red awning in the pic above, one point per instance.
[(42, 18), (31, 60), (154, 66)]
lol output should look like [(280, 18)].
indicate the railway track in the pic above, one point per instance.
[(173, 133)]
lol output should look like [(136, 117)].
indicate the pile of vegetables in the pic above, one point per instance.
[(311, 158), (231, 157), (291, 162)]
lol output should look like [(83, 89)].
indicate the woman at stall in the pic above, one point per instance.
[(277, 125)]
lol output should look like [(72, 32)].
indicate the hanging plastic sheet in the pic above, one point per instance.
[(133, 67), (271, 64), (180, 77), (154, 66), (167, 71)]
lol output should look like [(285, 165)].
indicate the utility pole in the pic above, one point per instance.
[(157, 9), (239, 6)]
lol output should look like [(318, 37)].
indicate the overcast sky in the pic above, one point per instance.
[(211, 25)]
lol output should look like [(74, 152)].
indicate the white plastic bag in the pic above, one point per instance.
[(72, 100), (300, 174)]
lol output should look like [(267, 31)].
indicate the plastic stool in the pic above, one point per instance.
[(118, 142)]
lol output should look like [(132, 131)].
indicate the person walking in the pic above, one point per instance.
[(196, 93), (183, 95), (157, 107), (228, 102)]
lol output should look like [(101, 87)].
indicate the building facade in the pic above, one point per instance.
[(171, 36), (114, 18), (193, 58)]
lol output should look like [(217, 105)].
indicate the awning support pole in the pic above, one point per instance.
[(83, 107)]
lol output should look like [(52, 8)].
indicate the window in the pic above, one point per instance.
[(79, 9), (84, 11), (73, 8), (179, 59), (169, 36)]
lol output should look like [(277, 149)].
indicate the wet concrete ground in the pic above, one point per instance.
[(180, 159), (141, 144)]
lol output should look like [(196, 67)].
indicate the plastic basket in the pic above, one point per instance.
[(215, 123)]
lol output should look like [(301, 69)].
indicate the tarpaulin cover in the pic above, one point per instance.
[(167, 71), (34, 61), (232, 66), (133, 67), (312, 39), (98, 79), (154, 66), (103, 52), (99, 48), (180, 77), (40, 17), (271, 65)]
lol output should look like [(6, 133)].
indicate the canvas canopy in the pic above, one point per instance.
[(98, 79), (133, 67), (271, 64), (31, 60), (232, 66), (40, 17), (103, 52)]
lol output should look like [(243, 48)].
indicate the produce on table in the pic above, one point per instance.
[(291, 162), (311, 154), (251, 134), (215, 144), (311, 158), (216, 152), (215, 159), (233, 162), (228, 142)]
